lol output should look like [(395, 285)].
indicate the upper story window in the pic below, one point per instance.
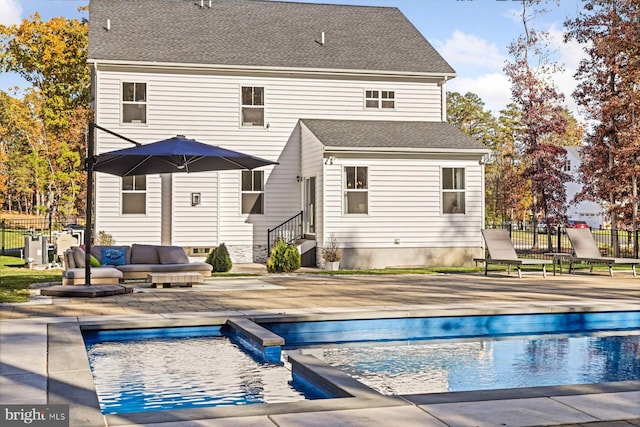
[(567, 165), (134, 102), (253, 192), (134, 194), (252, 106), (356, 190), (380, 99), (453, 191)]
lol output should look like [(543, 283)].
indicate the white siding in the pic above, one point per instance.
[(404, 205), (195, 225), (207, 107)]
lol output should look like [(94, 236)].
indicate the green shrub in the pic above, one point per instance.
[(219, 259), (284, 258)]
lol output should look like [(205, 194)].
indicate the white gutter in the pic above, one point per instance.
[(266, 69), (374, 150)]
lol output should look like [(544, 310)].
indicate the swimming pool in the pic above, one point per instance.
[(377, 335), (176, 368)]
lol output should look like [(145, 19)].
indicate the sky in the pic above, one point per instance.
[(473, 36)]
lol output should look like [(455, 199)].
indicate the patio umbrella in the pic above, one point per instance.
[(173, 155)]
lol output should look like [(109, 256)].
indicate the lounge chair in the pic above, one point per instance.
[(585, 250), (501, 251)]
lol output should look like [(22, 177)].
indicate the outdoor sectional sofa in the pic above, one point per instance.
[(118, 263)]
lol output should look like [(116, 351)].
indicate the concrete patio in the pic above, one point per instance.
[(41, 356)]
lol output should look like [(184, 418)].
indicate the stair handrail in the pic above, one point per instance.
[(291, 227)]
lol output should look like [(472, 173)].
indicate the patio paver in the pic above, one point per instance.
[(303, 295)]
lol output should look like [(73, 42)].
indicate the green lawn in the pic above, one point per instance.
[(15, 279)]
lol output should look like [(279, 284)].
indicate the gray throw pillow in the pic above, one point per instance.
[(144, 254), (78, 256), (172, 255)]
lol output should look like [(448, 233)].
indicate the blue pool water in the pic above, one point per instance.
[(417, 367), (174, 368), (475, 352), (409, 328)]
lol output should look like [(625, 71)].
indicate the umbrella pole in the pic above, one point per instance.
[(89, 162), (87, 231)]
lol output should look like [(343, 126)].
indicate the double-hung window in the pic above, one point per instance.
[(380, 99), (134, 194), (134, 102), (356, 190), (253, 192), (252, 106), (453, 191)]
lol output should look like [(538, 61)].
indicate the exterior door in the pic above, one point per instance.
[(310, 205)]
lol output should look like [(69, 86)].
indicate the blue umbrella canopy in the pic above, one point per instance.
[(174, 155)]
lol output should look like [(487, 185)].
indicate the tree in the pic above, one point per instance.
[(45, 134), (22, 145), (467, 113), (542, 120), (52, 56), (609, 96), (513, 190)]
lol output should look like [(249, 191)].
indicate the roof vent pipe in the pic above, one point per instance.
[(108, 27), (322, 39)]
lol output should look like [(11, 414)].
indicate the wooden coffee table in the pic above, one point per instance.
[(164, 280)]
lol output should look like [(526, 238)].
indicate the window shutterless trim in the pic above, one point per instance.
[(379, 99), (133, 191), (460, 190), (252, 105), (258, 193), (358, 188), (134, 102)]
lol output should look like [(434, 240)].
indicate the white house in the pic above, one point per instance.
[(592, 213), (349, 100)]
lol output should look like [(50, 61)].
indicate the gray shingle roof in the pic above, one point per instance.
[(260, 33), (391, 134)]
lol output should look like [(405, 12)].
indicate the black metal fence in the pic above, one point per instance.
[(535, 243), (14, 231)]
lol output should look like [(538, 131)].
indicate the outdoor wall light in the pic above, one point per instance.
[(195, 199)]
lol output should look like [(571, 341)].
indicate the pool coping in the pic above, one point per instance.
[(69, 379)]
